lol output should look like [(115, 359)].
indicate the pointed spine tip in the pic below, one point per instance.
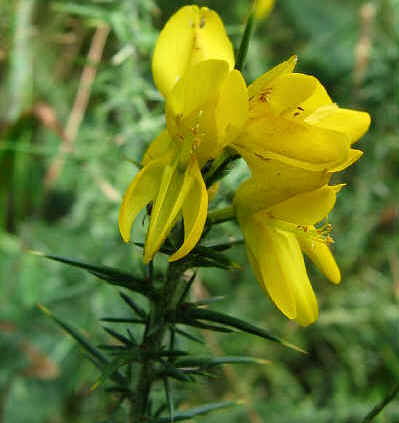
[(44, 309)]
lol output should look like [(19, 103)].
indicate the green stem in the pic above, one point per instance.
[(153, 339), (378, 408), (243, 50), (221, 215)]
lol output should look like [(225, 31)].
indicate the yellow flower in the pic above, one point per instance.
[(203, 110), (263, 8), (206, 100), (292, 119), (282, 116), (190, 36), (275, 235)]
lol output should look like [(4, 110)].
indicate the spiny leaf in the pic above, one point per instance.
[(121, 320), (94, 353), (160, 410), (207, 257), (202, 257), (133, 305), (112, 348), (169, 398), (200, 325), (222, 246), (109, 369), (171, 353), (215, 316), (118, 336), (207, 301), (108, 274), (187, 288), (193, 412), (175, 373), (189, 335), (207, 362)]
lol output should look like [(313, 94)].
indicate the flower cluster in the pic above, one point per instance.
[(284, 125)]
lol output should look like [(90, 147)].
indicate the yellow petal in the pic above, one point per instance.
[(307, 208), (354, 155), (143, 189), (232, 107), (281, 271), (195, 209), (173, 189), (351, 122), (294, 143), (200, 85), (268, 260), (211, 40), (191, 35), (289, 91), (321, 256), (159, 147), (319, 98), (307, 310), (264, 81), (274, 182)]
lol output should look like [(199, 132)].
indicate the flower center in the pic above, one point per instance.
[(314, 234)]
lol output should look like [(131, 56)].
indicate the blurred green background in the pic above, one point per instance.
[(78, 105)]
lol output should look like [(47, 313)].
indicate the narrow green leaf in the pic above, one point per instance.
[(169, 398), (173, 372), (222, 246), (111, 368), (189, 335), (200, 325), (166, 248), (94, 353), (216, 257), (208, 362), (118, 336), (112, 348), (207, 301), (133, 305), (198, 411), (122, 320), (197, 259), (215, 316), (187, 288), (171, 353), (108, 274), (160, 410), (379, 407)]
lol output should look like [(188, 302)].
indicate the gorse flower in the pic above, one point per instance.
[(277, 224), (284, 125), (190, 36), (293, 141), (292, 119), (204, 107)]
